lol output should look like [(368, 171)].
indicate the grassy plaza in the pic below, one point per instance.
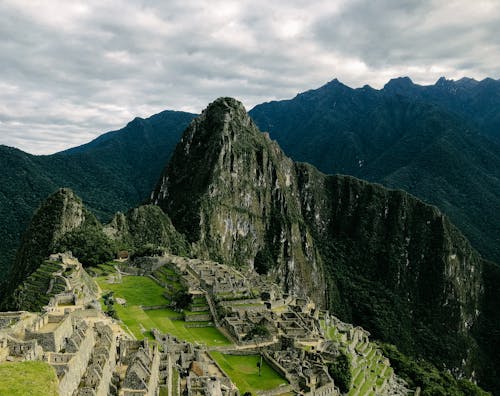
[(140, 292)]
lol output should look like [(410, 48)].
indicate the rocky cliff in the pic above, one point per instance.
[(234, 194), (395, 265)]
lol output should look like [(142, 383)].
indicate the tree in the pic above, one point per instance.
[(340, 370)]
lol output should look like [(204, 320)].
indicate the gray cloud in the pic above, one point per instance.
[(70, 71)]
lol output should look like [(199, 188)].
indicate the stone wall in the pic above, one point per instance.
[(51, 341), (198, 318), (27, 350), (7, 319), (76, 367), (99, 372), (143, 373), (277, 367), (4, 349)]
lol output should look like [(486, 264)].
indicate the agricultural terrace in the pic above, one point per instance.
[(369, 369)]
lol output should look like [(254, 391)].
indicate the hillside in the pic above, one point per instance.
[(477, 101), (404, 136), (112, 173)]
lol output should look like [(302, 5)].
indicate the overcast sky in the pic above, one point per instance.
[(70, 70)]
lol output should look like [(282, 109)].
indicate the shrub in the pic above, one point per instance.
[(340, 370)]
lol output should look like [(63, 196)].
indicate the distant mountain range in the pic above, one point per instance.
[(439, 142)]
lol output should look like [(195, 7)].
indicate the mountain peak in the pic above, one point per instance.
[(233, 193), (206, 149), (443, 81), (227, 103), (398, 84)]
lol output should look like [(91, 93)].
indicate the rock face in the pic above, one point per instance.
[(61, 213), (395, 265), (234, 194), (376, 257)]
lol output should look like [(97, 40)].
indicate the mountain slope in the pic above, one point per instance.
[(59, 214), (409, 142), (389, 262), (112, 173), (477, 101)]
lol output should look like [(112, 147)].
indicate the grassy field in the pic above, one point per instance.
[(141, 291), (28, 378), (137, 290), (244, 372)]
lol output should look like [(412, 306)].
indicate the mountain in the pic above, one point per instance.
[(59, 214), (404, 136), (114, 172), (146, 228), (436, 142), (64, 224), (379, 258), (477, 101), (230, 190)]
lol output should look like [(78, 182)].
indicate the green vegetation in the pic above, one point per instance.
[(425, 375), (103, 269), (139, 292), (181, 299), (340, 370), (89, 244), (244, 372), (136, 290), (34, 293), (258, 331), (148, 231), (110, 174), (28, 378)]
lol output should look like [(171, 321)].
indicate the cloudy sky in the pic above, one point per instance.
[(72, 70)]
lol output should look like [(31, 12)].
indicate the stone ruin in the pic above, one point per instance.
[(192, 369), (92, 356)]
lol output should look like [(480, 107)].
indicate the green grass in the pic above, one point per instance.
[(244, 373), (142, 291), (207, 312), (175, 381), (28, 378), (137, 290)]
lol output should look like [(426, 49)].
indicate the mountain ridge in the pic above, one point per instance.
[(401, 141)]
